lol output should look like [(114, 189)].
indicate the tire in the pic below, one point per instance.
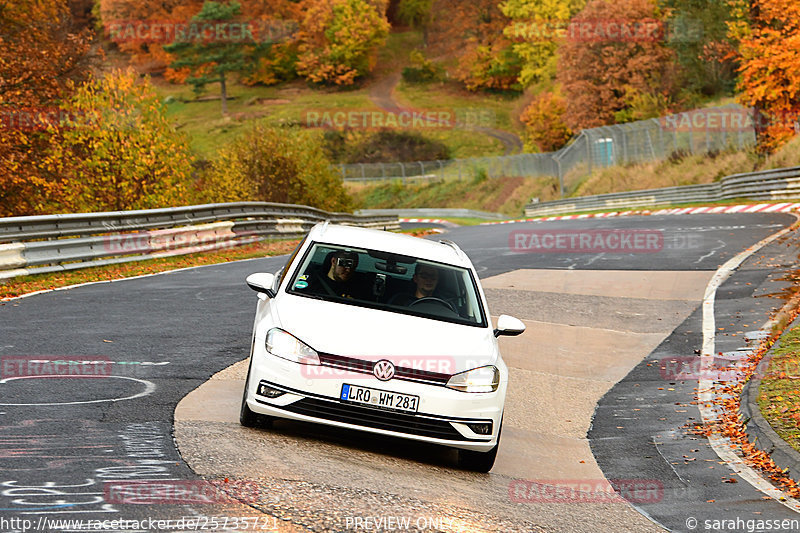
[(247, 417), (479, 461)]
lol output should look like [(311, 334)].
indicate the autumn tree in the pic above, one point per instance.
[(545, 130), (276, 164), (210, 59), (339, 40), (273, 24), (472, 31), (42, 55), (602, 70), (417, 14), (119, 20), (698, 33), (770, 70), (537, 27), (118, 151), (277, 24)]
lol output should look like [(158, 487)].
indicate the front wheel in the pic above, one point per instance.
[(247, 417), (479, 461)]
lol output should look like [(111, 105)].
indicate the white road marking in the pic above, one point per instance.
[(149, 388), (719, 444)]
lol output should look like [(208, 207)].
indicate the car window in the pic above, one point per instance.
[(388, 282), (285, 269)]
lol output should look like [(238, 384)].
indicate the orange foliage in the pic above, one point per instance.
[(339, 40), (770, 69), (594, 73), (42, 53), (472, 30), (262, 16), (729, 424), (545, 129)]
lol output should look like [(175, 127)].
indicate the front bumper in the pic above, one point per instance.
[(312, 395)]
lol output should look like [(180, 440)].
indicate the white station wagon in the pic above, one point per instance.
[(380, 332)]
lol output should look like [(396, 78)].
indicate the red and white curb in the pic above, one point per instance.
[(744, 208), (427, 221)]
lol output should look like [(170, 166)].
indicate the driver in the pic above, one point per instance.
[(426, 278)]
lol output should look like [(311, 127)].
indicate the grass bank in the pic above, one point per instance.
[(687, 170), (498, 195), (509, 195), (779, 394)]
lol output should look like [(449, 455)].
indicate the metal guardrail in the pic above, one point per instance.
[(53, 243), (778, 184), (433, 212)]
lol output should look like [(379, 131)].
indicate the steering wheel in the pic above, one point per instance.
[(435, 300)]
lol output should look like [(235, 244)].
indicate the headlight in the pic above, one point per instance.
[(281, 344), (483, 379)]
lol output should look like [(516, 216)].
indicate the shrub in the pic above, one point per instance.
[(276, 164), (545, 130), (339, 39), (422, 70), (120, 152)]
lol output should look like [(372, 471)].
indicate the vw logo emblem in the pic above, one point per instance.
[(383, 370)]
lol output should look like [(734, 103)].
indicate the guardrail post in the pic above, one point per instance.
[(625, 156)]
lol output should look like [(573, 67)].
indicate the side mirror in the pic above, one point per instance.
[(262, 282), (508, 325)]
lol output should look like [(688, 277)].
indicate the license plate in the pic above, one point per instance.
[(380, 398)]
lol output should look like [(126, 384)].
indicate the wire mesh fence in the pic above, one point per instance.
[(692, 132)]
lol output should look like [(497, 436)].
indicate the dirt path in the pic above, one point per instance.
[(381, 94)]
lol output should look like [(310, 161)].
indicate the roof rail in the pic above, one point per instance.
[(454, 246), (324, 226)]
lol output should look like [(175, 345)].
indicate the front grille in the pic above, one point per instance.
[(364, 366), (377, 419)]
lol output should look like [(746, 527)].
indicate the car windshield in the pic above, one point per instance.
[(389, 282)]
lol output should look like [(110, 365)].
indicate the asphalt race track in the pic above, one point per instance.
[(71, 445)]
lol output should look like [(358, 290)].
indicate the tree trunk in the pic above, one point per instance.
[(223, 93)]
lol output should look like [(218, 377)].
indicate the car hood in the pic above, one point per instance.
[(370, 334)]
